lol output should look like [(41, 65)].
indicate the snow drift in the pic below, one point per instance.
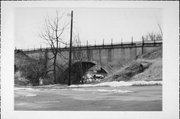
[(120, 83)]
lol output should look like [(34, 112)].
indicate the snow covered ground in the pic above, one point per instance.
[(121, 83)]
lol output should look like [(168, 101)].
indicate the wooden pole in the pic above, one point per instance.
[(70, 49)]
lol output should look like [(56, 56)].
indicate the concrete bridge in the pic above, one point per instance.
[(108, 58)]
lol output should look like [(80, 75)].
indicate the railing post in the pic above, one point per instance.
[(80, 44), (142, 44), (121, 42), (132, 41), (87, 45), (95, 44), (111, 42), (103, 43)]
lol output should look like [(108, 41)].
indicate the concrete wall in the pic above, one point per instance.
[(109, 57)]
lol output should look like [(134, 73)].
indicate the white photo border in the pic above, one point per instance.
[(170, 11)]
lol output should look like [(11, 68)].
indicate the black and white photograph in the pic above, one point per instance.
[(88, 59), (91, 58)]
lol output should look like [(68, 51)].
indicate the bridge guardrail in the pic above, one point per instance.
[(104, 46)]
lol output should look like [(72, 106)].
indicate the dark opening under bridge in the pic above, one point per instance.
[(109, 58)]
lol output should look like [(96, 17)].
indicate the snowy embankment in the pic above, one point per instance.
[(148, 67), (120, 83)]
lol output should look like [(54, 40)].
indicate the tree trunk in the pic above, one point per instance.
[(54, 70)]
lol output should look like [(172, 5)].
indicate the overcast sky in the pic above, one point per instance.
[(92, 25)]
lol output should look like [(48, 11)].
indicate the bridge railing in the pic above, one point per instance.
[(103, 46)]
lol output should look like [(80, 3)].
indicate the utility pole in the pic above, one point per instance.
[(70, 49)]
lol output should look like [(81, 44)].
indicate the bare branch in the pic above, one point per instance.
[(49, 71), (61, 68), (160, 29), (51, 65), (51, 58), (60, 54)]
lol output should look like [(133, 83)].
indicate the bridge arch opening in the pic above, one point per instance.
[(79, 70)]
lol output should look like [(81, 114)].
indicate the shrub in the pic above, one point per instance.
[(19, 80), (153, 36), (32, 70)]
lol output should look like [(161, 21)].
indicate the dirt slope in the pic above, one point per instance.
[(147, 67)]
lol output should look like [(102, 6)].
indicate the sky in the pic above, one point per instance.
[(91, 24)]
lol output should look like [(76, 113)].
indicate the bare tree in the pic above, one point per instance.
[(160, 29), (155, 36), (52, 34)]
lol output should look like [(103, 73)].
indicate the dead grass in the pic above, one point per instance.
[(147, 67), (154, 72)]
